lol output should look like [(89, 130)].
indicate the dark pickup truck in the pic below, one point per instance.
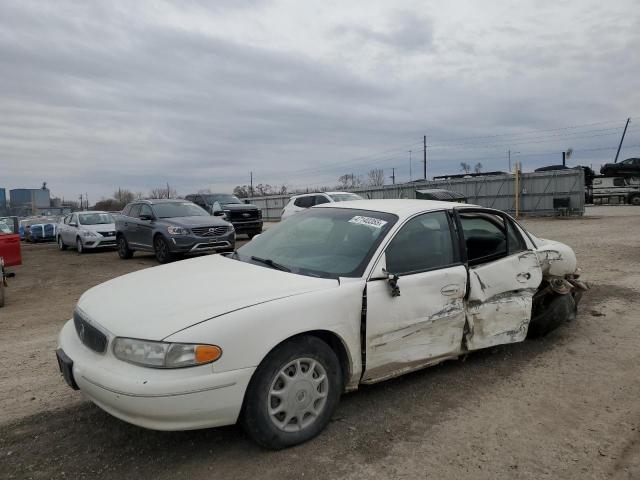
[(246, 218)]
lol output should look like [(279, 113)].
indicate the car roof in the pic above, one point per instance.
[(153, 201), (400, 207), (88, 211), (320, 193)]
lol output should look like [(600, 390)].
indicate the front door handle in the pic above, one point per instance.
[(450, 290), (523, 277)]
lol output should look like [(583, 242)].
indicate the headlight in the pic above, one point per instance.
[(88, 233), (177, 231), (148, 353)]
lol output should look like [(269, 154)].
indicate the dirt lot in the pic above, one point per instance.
[(566, 406)]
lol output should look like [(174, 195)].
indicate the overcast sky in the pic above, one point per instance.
[(134, 94)]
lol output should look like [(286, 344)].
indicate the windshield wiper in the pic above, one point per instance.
[(270, 263)]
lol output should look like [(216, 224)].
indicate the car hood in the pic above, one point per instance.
[(197, 221), (156, 302), (103, 227)]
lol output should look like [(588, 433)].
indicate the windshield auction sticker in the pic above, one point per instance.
[(369, 221)]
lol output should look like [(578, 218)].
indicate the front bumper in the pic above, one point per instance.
[(171, 399), (99, 242), (252, 226), (196, 244)]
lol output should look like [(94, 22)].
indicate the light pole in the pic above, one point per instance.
[(410, 173)]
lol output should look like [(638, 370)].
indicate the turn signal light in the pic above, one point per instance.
[(207, 353)]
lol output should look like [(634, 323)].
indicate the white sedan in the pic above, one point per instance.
[(86, 230), (339, 295)]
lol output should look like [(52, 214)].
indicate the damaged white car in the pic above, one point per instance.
[(336, 296)]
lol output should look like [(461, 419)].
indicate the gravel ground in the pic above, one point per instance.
[(565, 406)]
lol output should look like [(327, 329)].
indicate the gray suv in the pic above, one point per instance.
[(170, 227)]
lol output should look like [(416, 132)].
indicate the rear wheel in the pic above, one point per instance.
[(79, 245), (550, 312), (61, 244), (634, 200), (293, 393), (124, 252), (161, 249)]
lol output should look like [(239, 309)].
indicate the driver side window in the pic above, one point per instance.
[(145, 210), (423, 243)]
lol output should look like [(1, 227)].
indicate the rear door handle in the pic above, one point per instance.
[(450, 290)]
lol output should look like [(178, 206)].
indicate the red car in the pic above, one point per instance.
[(9, 256)]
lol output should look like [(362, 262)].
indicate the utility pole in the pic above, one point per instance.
[(251, 185), (509, 160), (564, 159), (410, 173), (621, 140), (425, 157), (393, 175)]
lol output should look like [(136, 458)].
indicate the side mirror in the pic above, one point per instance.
[(380, 273), (145, 217), (218, 213)]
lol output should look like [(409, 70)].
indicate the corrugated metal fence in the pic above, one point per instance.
[(537, 192)]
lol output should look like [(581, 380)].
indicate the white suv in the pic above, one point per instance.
[(297, 203)]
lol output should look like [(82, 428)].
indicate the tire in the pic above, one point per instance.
[(161, 249), (253, 234), (1, 291), (550, 313), (124, 252), (318, 391), (61, 244), (634, 200), (79, 246)]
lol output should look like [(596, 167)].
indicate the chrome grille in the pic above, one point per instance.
[(89, 335), (210, 231), (107, 234)]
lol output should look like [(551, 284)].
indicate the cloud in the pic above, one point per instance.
[(96, 95), (407, 32)]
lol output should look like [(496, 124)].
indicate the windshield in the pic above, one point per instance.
[(344, 197), (321, 242), (95, 218), (178, 209), (221, 198)]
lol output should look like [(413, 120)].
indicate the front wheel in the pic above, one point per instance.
[(635, 200), (293, 393), (79, 245), (61, 244), (161, 249)]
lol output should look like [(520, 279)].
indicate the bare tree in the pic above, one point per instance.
[(349, 181), (163, 192), (376, 177), (123, 196), (465, 167), (241, 191), (478, 167)]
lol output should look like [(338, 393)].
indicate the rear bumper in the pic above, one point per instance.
[(173, 399)]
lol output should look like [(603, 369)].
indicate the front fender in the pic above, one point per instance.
[(246, 336)]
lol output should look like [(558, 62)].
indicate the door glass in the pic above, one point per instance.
[(423, 243), (135, 210), (516, 242), (320, 199), (304, 202), (484, 236), (145, 210)]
